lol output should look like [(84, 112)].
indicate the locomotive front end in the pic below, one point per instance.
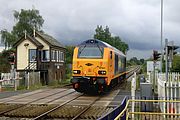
[(89, 68)]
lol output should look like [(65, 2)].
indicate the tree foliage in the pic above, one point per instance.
[(135, 61), (176, 64), (4, 64), (7, 38), (105, 35), (27, 20), (69, 54)]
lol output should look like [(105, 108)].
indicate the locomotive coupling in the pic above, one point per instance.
[(80, 79), (101, 81)]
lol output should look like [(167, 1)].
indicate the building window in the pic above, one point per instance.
[(45, 55), (32, 55), (57, 56), (62, 57), (53, 55)]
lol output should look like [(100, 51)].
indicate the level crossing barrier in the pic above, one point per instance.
[(7, 80)]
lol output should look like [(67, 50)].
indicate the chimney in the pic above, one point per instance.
[(25, 34), (34, 32)]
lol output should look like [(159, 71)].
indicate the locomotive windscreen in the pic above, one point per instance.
[(90, 52)]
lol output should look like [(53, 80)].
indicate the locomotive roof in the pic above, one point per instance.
[(92, 42)]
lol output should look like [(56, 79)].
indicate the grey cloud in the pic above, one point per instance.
[(137, 22)]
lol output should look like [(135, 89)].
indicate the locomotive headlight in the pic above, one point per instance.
[(102, 72), (76, 71)]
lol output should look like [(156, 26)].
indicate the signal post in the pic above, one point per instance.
[(11, 60), (156, 56)]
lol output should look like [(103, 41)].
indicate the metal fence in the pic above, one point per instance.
[(150, 110), (164, 107)]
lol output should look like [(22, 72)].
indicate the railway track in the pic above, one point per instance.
[(78, 110), (62, 106), (12, 108), (13, 98), (64, 110), (61, 111)]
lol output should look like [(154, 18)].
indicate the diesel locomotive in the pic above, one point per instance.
[(97, 66)]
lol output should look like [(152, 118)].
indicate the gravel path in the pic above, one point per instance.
[(12, 93)]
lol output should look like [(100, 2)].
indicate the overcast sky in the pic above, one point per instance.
[(137, 22)]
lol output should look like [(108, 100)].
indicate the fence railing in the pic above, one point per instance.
[(164, 107), (169, 90), (7, 80), (149, 110)]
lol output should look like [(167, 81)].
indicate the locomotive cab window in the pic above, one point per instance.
[(90, 52), (111, 54)]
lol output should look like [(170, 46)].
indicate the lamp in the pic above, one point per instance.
[(26, 44)]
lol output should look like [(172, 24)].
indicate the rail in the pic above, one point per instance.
[(43, 115), (77, 116), (141, 112), (23, 105), (112, 114)]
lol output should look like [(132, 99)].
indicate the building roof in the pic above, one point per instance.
[(33, 40), (50, 40), (46, 38)]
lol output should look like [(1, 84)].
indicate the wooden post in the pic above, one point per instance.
[(0, 86), (175, 92), (28, 81)]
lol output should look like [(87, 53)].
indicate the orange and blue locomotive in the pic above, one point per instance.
[(97, 66)]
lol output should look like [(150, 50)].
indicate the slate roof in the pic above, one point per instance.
[(52, 41), (45, 37)]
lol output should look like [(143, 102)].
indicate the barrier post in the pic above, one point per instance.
[(28, 80), (133, 89), (0, 86)]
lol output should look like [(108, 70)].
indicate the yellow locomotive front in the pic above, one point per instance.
[(90, 67)]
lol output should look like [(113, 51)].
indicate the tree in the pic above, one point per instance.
[(27, 20), (176, 64), (4, 63), (69, 54), (135, 61), (142, 61), (105, 35), (5, 38), (69, 57)]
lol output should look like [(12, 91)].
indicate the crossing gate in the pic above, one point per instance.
[(7, 80), (169, 90)]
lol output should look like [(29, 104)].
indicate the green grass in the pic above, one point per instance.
[(35, 87), (56, 84), (52, 84), (22, 87), (7, 89)]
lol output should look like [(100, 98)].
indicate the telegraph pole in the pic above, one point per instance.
[(167, 65), (161, 35)]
